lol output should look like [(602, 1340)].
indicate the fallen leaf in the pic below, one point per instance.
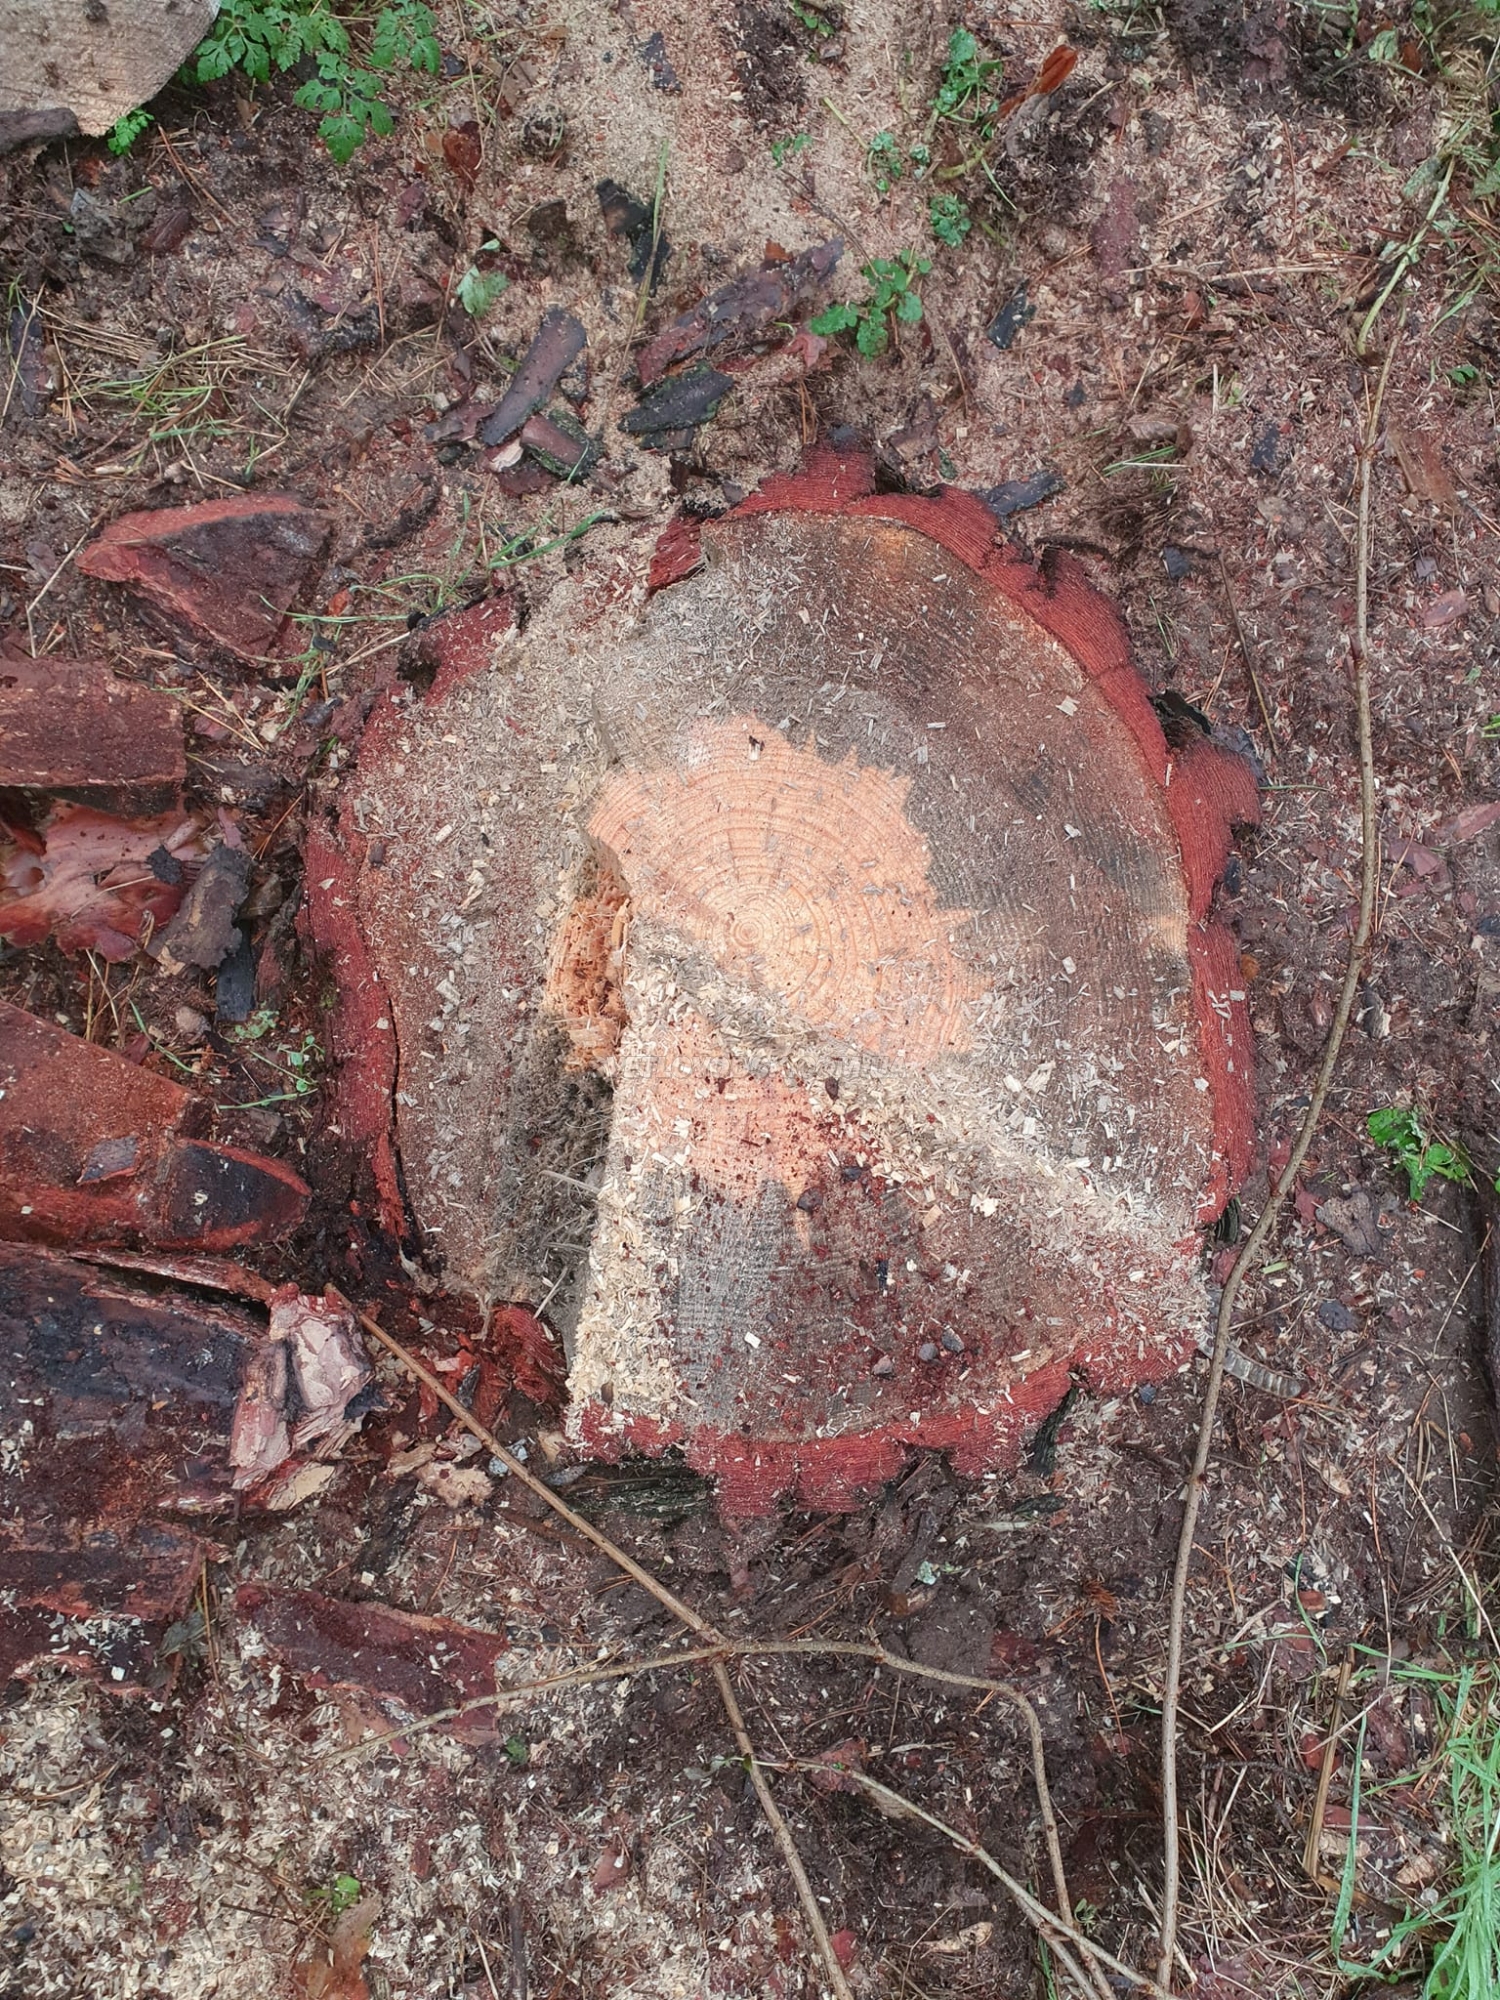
[(1445, 609), (1055, 71), (463, 152), (613, 1864), (1422, 467), (1469, 823), (973, 1937), (329, 1364), (846, 1756)]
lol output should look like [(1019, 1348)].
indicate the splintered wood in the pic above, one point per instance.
[(807, 991)]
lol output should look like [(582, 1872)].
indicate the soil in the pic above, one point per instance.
[(1196, 219)]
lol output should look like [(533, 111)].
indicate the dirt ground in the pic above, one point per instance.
[(1156, 304)]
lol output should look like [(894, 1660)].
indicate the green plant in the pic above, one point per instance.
[(883, 160), (950, 219), (337, 1895), (1421, 1157), (123, 134), (478, 290), (869, 319), (963, 93), (810, 17), (1460, 1926), (1491, 730), (277, 35), (786, 149), (299, 1064)]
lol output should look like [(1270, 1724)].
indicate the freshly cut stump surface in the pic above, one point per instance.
[(807, 991)]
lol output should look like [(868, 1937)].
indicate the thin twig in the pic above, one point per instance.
[(684, 1612), (1249, 1251), (750, 1649), (783, 1835), (1246, 652), (1053, 1928), (1312, 1847)]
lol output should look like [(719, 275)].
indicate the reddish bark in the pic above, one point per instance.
[(95, 1149), (230, 570), (69, 727)]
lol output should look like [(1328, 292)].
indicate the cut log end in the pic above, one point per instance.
[(855, 879)]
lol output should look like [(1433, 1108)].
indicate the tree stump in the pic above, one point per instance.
[(99, 62), (805, 991)]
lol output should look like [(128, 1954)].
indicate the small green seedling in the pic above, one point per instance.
[(883, 159), (788, 148), (341, 1894), (810, 18), (890, 280), (963, 93), (123, 134), (478, 290), (518, 1750), (950, 219), (1420, 1157)]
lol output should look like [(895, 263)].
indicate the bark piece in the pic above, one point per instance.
[(69, 727), (677, 406), (425, 1664), (67, 1107), (91, 882), (1014, 496), (203, 932), (95, 61), (924, 1059), (120, 1403), (230, 570), (625, 215), (740, 313), (560, 339)]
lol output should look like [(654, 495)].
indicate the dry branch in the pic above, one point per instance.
[(520, 1471)]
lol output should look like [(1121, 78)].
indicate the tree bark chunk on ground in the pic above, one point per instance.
[(229, 570), (122, 1400), (833, 941), (71, 728), (95, 1149)]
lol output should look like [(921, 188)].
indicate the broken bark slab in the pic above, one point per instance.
[(70, 728), (560, 339), (446, 653), (95, 1149), (827, 958), (666, 417), (118, 1405), (91, 882), (422, 1664), (203, 932), (740, 313), (230, 570), (95, 61)]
